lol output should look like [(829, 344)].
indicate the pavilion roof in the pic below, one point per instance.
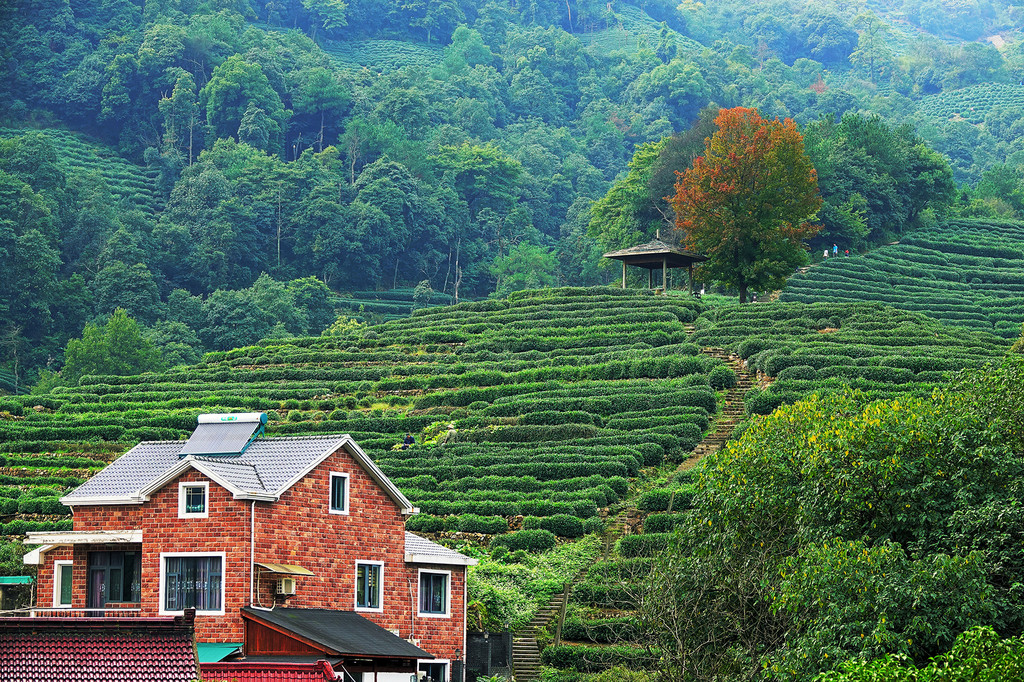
[(655, 253)]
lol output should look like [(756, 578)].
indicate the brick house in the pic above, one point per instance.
[(288, 548)]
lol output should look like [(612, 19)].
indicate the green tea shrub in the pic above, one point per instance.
[(20, 526), (562, 525), (646, 545), (601, 595), (585, 658), (663, 523), (600, 630), (424, 523), (536, 540), (798, 372), (474, 523), (722, 377), (659, 500)]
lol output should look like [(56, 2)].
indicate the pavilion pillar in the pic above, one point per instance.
[(689, 268), (650, 278), (664, 274), (623, 274)]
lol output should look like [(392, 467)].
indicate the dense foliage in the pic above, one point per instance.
[(377, 147), (839, 528)]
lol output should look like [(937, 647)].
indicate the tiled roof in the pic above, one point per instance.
[(655, 246), (267, 466), (96, 650), (422, 550), (243, 474)]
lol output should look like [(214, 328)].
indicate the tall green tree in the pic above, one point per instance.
[(114, 347), (234, 86)]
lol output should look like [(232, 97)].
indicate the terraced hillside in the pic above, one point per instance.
[(546, 403), (383, 55), (635, 29), (968, 273), (972, 103), (130, 184), (381, 306), (799, 348)]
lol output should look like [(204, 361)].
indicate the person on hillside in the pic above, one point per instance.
[(835, 249), (409, 440), (825, 255)]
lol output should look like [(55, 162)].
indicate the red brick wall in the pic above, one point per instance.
[(330, 545), (298, 529)]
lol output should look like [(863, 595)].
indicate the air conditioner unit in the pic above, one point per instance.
[(286, 586)]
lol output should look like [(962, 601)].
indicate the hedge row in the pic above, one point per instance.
[(585, 658)]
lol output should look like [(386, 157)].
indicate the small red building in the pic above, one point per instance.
[(290, 550)]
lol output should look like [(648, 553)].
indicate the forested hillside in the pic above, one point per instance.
[(376, 146)]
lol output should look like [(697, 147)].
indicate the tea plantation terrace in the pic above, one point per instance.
[(543, 405)]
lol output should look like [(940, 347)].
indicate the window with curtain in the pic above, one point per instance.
[(114, 577), (193, 582)]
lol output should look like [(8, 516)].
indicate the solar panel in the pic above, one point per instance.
[(223, 434)]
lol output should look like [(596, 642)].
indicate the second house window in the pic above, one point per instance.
[(191, 581), (368, 585), (434, 593)]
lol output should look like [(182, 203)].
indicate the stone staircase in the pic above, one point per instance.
[(732, 413), (525, 652)]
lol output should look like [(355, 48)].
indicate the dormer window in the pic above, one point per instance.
[(193, 500), (339, 493)]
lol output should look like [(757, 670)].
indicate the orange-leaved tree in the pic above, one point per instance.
[(748, 202)]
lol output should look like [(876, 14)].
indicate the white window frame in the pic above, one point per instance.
[(223, 581), (182, 486), (380, 588), (447, 597), (58, 567), (330, 493), (447, 665)]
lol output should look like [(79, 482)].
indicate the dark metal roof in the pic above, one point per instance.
[(654, 253), (338, 632)]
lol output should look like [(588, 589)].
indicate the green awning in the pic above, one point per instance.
[(212, 652), (15, 580)]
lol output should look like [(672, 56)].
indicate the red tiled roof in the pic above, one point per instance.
[(97, 649), (255, 671)]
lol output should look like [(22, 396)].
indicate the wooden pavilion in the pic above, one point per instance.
[(656, 255)]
